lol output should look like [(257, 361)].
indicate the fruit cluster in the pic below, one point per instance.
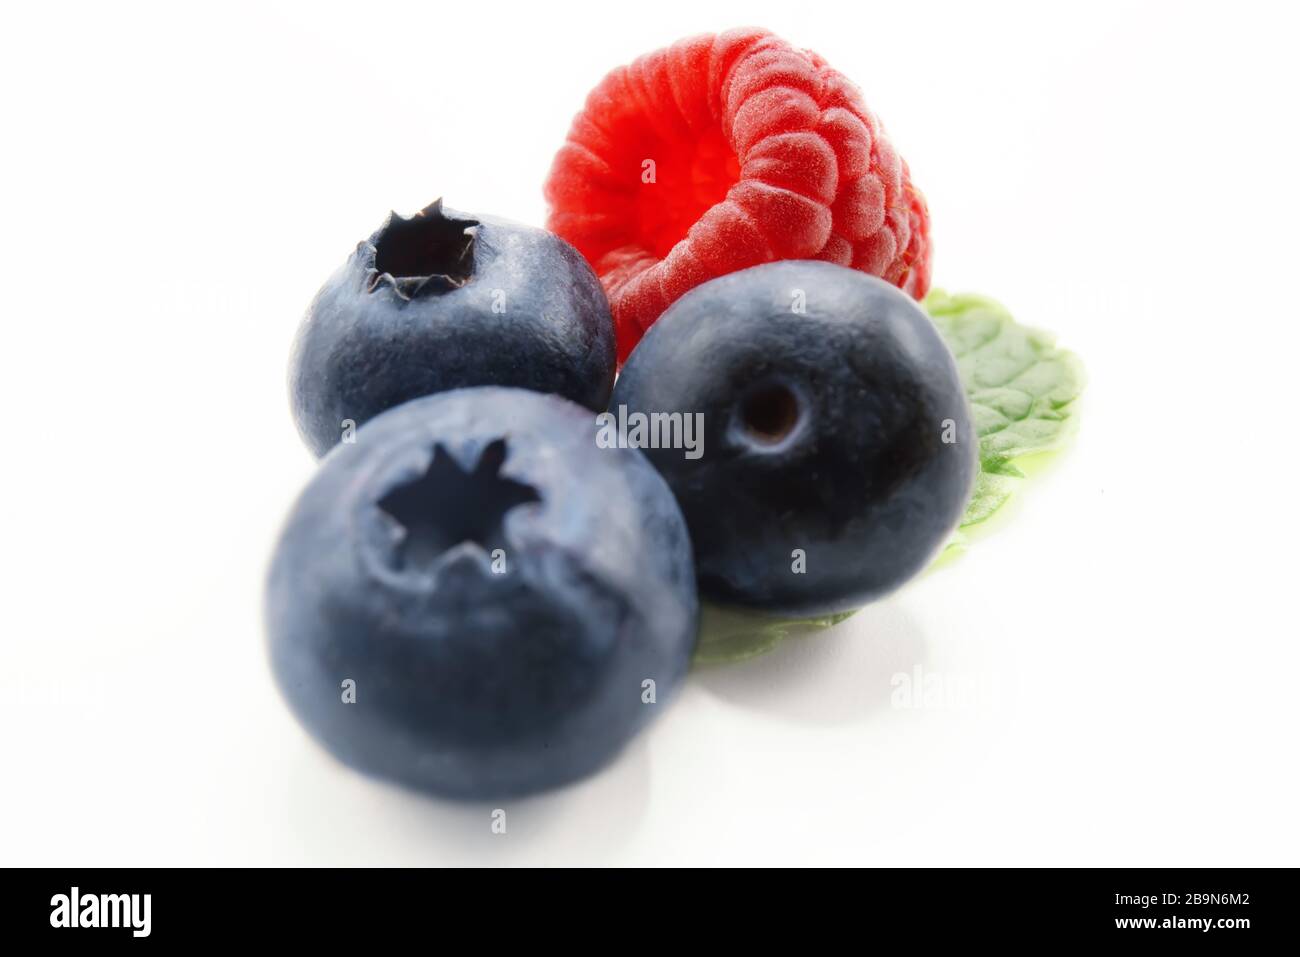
[(494, 579)]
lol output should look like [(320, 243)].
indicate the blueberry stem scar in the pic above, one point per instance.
[(770, 413), (431, 251), (447, 505)]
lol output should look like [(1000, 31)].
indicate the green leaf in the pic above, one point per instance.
[(734, 634), (1022, 390)]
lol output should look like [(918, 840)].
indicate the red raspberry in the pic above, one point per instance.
[(723, 152)]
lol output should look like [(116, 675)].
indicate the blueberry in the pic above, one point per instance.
[(838, 451), (473, 598), (442, 301)]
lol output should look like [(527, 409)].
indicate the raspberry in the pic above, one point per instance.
[(723, 152)]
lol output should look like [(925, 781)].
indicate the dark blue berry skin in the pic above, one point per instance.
[(824, 431), (471, 683), (443, 301)]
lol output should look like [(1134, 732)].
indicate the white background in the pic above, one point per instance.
[(178, 182)]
